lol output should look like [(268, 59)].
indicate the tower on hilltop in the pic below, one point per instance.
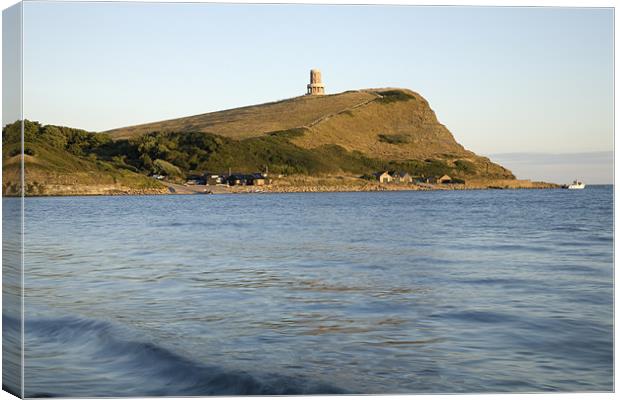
[(315, 87)]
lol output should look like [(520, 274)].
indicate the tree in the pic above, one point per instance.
[(53, 136), (147, 163)]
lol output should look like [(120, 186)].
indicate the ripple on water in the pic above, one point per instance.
[(467, 291)]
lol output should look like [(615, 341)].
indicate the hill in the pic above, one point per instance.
[(51, 169), (253, 121), (379, 128), (347, 137)]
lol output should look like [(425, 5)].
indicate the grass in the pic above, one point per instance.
[(382, 124), (254, 121), (288, 133), (49, 166), (306, 135), (208, 152)]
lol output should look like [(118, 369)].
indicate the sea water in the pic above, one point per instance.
[(393, 292)]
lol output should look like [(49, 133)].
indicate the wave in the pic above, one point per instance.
[(143, 368)]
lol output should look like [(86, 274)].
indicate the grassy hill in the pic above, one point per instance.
[(50, 170), (351, 134), (253, 121), (355, 131)]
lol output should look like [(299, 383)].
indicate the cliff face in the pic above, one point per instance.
[(387, 124)]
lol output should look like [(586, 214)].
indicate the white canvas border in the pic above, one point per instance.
[(505, 3)]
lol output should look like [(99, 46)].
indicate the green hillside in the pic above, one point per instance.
[(355, 131), (198, 152), (53, 167)]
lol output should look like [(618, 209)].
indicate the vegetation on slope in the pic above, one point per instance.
[(354, 133), (394, 139), (377, 127), (391, 96), (62, 160), (256, 120), (196, 152), (60, 156)]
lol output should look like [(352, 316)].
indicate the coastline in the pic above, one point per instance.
[(294, 185)]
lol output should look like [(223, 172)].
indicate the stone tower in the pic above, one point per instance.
[(315, 87)]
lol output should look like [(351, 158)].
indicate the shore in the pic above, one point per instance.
[(342, 184), (292, 184)]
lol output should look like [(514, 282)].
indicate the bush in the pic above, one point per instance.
[(465, 166), (12, 150), (165, 168), (394, 139), (391, 96), (53, 136), (12, 133), (29, 150), (435, 167), (288, 133)]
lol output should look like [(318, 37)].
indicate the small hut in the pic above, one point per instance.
[(444, 179), (384, 177), (403, 177)]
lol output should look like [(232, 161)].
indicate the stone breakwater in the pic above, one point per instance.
[(94, 190), (280, 187), (377, 187)]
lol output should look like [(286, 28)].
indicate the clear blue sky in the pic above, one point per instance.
[(501, 79)]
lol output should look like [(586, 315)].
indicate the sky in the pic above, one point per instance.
[(503, 80), (591, 167)]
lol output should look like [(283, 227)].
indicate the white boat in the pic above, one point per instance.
[(576, 185)]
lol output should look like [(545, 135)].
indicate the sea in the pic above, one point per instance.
[(478, 291)]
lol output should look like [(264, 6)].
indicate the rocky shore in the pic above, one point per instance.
[(349, 184), (91, 190), (291, 185), (379, 187)]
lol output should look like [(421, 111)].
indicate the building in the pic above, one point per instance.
[(384, 177), (315, 87), (257, 179), (237, 180), (402, 177), (213, 179), (195, 180), (444, 179), (436, 179)]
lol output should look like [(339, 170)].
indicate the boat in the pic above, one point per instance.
[(576, 185)]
